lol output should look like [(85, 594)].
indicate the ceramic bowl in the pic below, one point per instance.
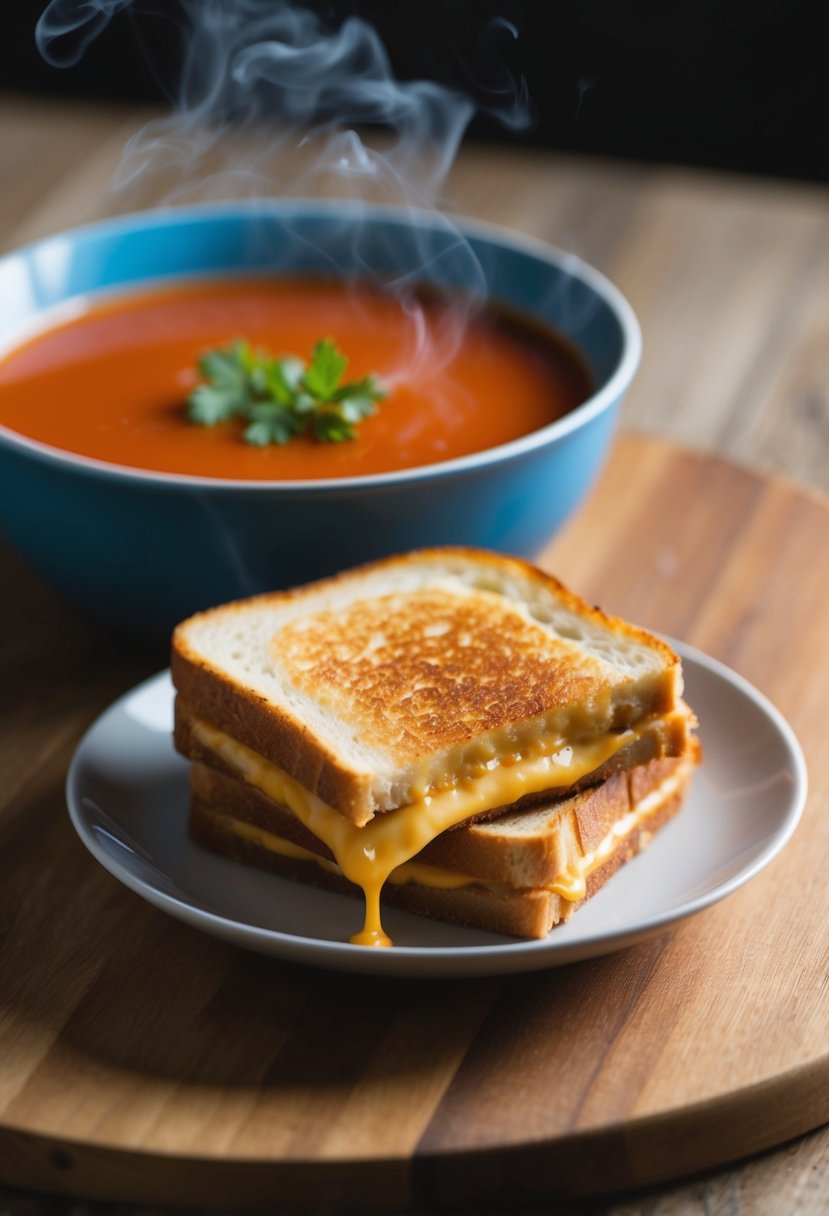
[(141, 550)]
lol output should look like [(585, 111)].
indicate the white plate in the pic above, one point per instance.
[(127, 795)]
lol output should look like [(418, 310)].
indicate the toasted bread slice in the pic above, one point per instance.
[(404, 677), (520, 874), (663, 737)]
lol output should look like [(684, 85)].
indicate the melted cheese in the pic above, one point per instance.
[(570, 885), (410, 871), (368, 855)]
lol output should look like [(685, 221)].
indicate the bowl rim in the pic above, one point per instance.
[(484, 230)]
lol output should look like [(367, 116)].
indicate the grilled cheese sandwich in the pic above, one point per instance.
[(387, 707)]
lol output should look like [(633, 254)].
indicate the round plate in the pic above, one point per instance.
[(127, 793)]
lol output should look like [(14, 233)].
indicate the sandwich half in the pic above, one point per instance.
[(427, 726)]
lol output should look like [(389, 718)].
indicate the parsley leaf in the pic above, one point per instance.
[(209, 405), (278, 398)]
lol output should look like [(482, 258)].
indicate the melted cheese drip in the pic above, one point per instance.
[(570, 885), (368, 855), (410, 871)]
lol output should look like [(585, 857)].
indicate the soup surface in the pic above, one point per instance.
[(112, 383)]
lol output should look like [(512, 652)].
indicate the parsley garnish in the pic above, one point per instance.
[(281, 397)]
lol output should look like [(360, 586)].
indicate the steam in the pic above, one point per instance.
[(272, 101)]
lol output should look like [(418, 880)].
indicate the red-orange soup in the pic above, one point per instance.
[(112, 383)]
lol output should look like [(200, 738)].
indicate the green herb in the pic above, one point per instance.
[(279, 398)]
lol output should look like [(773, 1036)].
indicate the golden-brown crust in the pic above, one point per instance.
[(416, 675), (279, 736)]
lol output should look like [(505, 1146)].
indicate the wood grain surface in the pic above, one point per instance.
[(145, 1061), (729, 278)]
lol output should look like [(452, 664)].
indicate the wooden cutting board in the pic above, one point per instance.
[(142, 1060)]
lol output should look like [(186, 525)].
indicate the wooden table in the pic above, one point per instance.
[(730, 279)]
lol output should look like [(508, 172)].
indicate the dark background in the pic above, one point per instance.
[(737, 84)]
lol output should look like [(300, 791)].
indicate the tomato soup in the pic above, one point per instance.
[(112, 383)]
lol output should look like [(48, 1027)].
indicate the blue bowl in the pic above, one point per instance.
[(141, 550)]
